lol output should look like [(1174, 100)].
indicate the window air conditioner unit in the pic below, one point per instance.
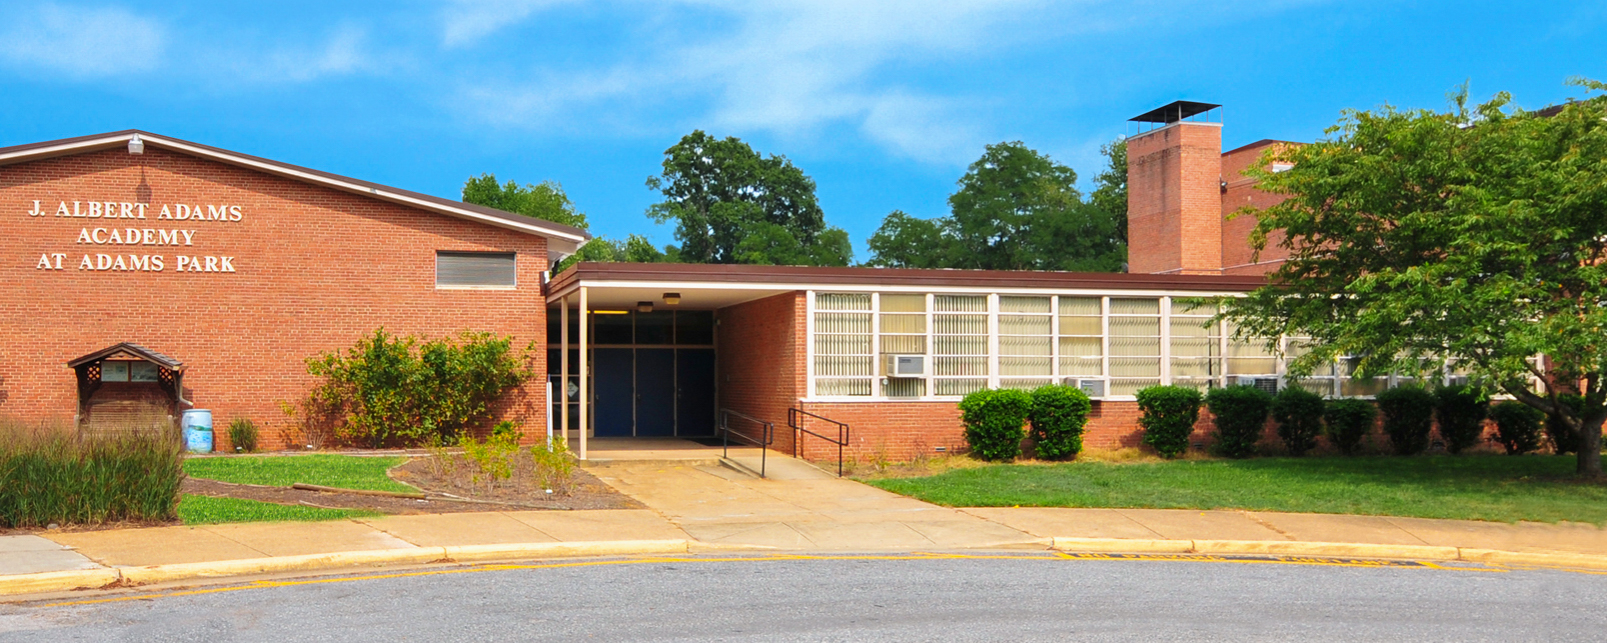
[(1094, 388), (1268, 384), (906, 365)]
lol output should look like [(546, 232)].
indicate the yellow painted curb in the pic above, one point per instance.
[(95, 578), (1558, 559), (57, 581), (1122, 545), (467, 553), (1329, 550), (277, 564)]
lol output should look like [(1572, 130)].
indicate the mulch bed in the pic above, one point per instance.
[(587, 491)]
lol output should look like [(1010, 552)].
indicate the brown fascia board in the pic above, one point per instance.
[(1261, 143), (112, 140), (806, 277)]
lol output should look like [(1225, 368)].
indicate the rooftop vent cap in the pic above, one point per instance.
[(1174, 112)]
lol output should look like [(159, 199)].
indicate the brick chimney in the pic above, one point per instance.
[(1174, 188)]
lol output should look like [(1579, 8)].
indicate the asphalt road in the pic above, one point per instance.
[(1036, 597)]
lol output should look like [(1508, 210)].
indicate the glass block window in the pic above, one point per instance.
[(1082, 337), (959, 344), (844, 362), (1351, 384), (1251, 356), (1196, 343), (902, 327), (1135, 344), (1026, 342)]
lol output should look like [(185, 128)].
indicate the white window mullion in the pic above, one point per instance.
[(1166, 340), (876, 388), (993, 340), (1104, 339), (931, 346)]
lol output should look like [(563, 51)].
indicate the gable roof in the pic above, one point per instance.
[(127, 350), (562, 240)]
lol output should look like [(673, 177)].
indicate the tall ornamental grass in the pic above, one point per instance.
[(52, 476)]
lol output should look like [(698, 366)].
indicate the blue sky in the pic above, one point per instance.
[(882, 103)]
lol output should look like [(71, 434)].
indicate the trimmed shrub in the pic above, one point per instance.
[(1564, 439), (1408, 418), (390, 390), (1461, 411), (53, 477), (994, 421), (243, 435), (1517, 426), (1348, 422), (1241, 416), (1298, 413), (1169, 416), (1057, 419)]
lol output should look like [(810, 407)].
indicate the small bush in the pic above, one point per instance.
[(243, 435), (493, 458), (1169, 413), (1461, 411), (49, 476), (994, 421), (554, 468), (390, 390), (1517, 426), (1349, 421), (1408, 418), (1298, 413), (1241, 416), (1564, 439), (1058, 415)]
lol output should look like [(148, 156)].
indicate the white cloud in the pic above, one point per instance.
[(81, 41), (344, 52), (786, 68), (467, 21)]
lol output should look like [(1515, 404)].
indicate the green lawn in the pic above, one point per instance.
[(1493, 487), (206, 510), (344, 471)]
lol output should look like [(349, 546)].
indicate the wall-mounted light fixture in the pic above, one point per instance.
[(672, 298), (135, 145), (644, 306)]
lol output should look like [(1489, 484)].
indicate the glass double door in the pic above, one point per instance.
[(654, 392)]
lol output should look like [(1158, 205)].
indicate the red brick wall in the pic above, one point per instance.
[(759, 355), (315, 270), (1174, 207), (1241, 192)]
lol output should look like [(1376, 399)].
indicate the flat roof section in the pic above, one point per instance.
[(725, 284)]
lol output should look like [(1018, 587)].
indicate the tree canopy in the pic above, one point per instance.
[(548, 201), (731, 204), (1472, 236), (1015, 209)]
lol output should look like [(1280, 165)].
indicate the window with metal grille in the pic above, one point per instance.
[(475, 270)]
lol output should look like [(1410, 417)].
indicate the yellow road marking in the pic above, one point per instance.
[(659, 560)]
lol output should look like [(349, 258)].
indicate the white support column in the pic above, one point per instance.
[(563, 367), (585, 387)]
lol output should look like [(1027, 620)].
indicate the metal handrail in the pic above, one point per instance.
[(769, 433), (795, 419)]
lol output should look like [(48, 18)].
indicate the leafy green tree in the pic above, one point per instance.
[(1110, 188), (544, 201), (547, 201), (1015, 209), (731, 204), (1475, 235)]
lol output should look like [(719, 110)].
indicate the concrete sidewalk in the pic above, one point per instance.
[(694, 504)]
